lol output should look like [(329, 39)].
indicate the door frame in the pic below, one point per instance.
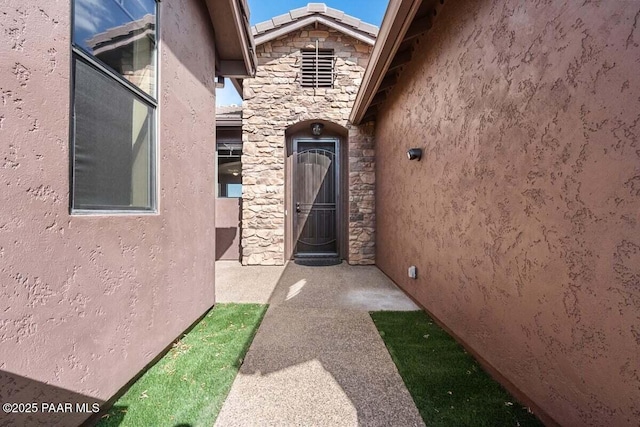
[(290, 213)]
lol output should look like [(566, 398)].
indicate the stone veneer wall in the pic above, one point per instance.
[(362, 188), (274, 100)]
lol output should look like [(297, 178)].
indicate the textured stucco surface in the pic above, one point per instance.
[(87, 301), (274, 102), (523, 217)]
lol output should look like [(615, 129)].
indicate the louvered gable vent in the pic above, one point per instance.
[(317, 68)]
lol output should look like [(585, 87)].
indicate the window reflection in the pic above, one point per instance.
[(113, 151), (114, 142), (121, 34), (229, 170)]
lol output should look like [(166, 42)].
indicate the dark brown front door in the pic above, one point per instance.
[(315, 194)]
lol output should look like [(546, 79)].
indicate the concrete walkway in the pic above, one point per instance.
[(317, 359)]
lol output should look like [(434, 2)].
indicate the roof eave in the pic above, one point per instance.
[(238, 57), (225, 122), (309, 20), (237, 84), (397, 20)]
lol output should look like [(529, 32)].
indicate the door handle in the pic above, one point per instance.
[(298, 210)]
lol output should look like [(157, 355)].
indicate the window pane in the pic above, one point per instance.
[(229, 174), (113, 153), (122, 34)]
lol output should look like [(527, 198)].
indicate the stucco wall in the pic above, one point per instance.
[(523, 217), (228, 228), (274, 101), (87, 301)]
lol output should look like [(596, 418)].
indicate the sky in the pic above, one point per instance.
[(371, 11)]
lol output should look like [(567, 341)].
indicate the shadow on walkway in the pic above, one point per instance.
[(318, 359)]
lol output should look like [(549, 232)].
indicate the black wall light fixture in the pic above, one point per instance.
[(317, 128), (414, 154)]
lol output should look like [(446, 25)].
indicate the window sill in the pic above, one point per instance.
[(96, 212)]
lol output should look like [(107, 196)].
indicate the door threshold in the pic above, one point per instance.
[(317, 260), (317, 255)]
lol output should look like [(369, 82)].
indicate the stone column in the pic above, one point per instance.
[(362, 187), (262, 190)]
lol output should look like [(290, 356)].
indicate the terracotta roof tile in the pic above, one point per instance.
[(315, 9)]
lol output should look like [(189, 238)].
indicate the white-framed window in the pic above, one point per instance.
[(317, 69), (114, 105)]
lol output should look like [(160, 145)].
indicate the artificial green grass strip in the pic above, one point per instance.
[(190, 383), (448, 386)]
